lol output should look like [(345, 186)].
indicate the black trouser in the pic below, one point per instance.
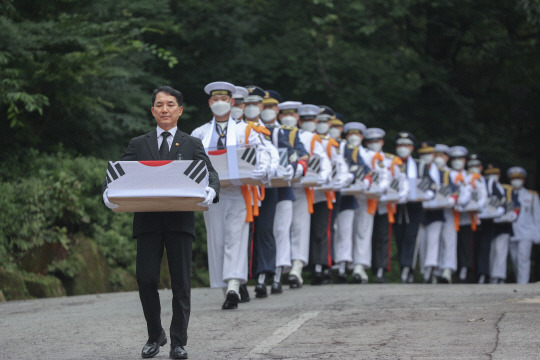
[(379, 242), (482, 246), (335, 211), (405, 228), (465, 247), (149, 255), (264, 243), (318, 237)]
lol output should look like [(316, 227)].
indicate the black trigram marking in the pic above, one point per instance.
[(424, 184), (375, 177), (474, 195), (196, 171), (250, 156), (283, 157), (334, 171), (445, 190), (314, 164), (360, 173), (114, 172), (395, 184)]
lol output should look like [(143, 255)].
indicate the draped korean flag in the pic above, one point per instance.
[(235, 164), (312, 173), (148, 186)]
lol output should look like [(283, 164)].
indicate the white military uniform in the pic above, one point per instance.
[(300, 227), (526, 232), (226, 226)]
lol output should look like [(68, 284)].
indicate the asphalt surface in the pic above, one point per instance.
[(371, 321)]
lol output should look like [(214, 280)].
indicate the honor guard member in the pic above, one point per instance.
[(527, 226), (465, 218), (286, 136), (263, 242), (429, 232), (409, 213), (484, 234), (343, 246), (227, 222), (237, 111), (303, 205), (384, 216), (502, 197), (320, 235), (447, 264)]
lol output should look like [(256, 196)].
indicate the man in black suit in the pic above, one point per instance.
[(173, 230)]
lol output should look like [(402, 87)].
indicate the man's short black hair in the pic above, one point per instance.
[(168, 90)]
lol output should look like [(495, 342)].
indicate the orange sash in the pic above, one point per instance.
[(391, 208), (371, 206), (330, 198), (310, 195)]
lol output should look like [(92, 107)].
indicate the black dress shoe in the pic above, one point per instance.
[(244, 294), (342, 278), (317, 278), (177, 352), (294, 282), (151, 348), (260, 291), (327, 277), (276, 288), (380, 279), (231, 301)]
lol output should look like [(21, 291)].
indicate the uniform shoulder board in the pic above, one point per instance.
[(389, 156)]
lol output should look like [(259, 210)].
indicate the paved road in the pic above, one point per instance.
[(328, 322)]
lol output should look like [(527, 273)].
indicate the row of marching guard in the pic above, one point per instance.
[(304, 191)]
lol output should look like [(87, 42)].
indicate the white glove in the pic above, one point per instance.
[(366, 183), (402, 199), (349, 178), (210, 196), (258, 174), (340, 183), (464, 196), (108, 204), (430, 195), (273, 172), (299, 171), (451, 201), (500, 210), (289, 173)]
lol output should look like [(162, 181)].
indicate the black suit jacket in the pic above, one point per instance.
[(145, 147)]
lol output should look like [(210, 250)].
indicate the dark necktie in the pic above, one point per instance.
[(221, 140), (164, 148)]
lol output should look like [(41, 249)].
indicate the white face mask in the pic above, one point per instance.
[(220, 108), (354, 140), (309, 126), (322, 128), (474, 170), (458, 164), (236, 113), (439, 161), (334, 133), (268, 115), (517, 183), (289, 120), (427, 158), (403, 152), (252, 111), (375, 146)]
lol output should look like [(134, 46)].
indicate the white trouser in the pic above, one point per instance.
[(498, 256), (520, 253), (428, 238), (362, 231), (343, 244), (282, 233), (300, 227), (448, 245), (227, 234)]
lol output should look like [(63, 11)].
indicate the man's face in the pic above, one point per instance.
[(304, 120), (216, 98), (166, 110), (271, 107), (293, 114)]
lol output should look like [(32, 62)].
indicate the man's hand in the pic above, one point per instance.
[(258, 174), (108, 204), (289, 173), (210, 196), (299, 171)]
